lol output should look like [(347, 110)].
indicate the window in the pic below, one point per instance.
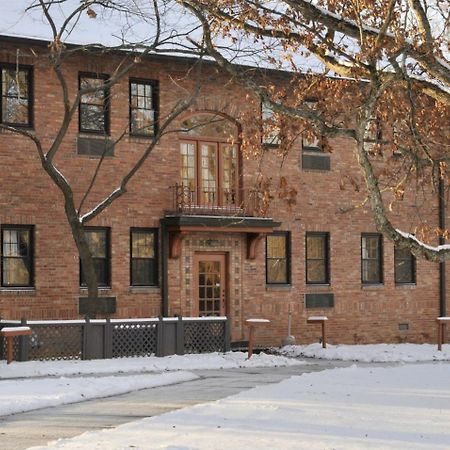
[(405, 266), (278, 258), (143, 107), (209, 162), (317, 258), (93, 110), (16, 96), (313, 155), (17, 256), (310, 142), (371, 262), (144, 260), (270, 126), (372, 134), (99, 244)]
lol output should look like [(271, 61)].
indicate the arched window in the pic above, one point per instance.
[(209, 161)]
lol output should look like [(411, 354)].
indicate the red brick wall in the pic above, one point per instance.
[(361, 314)]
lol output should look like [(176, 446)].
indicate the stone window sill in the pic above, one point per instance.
[(18, 290), (278, 287), (372, 286), (144, 289)]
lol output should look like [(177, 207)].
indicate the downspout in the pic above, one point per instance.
[(442, 286), (164, 269)]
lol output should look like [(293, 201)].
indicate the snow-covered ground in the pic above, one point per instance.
[(406, 407), (102, 378), (230, 360), (370, 353), (26, 395)]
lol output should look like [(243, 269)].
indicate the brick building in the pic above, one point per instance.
[(187, 237)]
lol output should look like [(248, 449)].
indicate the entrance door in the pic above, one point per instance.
[(211, 284)]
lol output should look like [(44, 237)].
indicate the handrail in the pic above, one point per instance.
[(214, 201)]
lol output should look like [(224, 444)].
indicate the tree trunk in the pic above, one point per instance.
[(87, 262)]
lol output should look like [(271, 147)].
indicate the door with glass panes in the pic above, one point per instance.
[(210, 281), (209, 170), (209, 161)]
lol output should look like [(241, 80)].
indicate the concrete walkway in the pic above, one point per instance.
[(21, 431)]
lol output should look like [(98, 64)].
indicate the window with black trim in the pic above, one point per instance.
[(371, 258), (94, 106), (143, 107), (16, 98), (144, 256), (17, 256), (317, 258), (405, 266), (99, 241), (278, 258)]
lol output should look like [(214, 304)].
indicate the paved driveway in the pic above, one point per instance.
[(39, 427)]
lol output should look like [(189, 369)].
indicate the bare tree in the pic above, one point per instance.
[(62, 19), (388, 59)]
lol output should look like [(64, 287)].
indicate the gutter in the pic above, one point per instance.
[(442, 226), (164, 270)]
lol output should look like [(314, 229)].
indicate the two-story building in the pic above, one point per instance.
[(190, 237)]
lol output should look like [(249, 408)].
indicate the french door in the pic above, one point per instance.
[(210, 171)]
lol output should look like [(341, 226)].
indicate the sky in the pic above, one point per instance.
[(112, 29), (109, 28)]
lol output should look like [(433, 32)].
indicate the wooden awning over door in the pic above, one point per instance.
[(255, 229)]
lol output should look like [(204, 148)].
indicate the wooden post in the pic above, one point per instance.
[(322, 320), (9, 333), (441, 323), (9, 349)]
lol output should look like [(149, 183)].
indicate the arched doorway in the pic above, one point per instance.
[(210, 162)]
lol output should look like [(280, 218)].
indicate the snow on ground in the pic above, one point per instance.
[(26, 395), (19, 392), (370, 352), (204, 361), (406, 407)]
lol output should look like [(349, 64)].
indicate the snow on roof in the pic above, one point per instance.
[(179, 28), (112, 28)]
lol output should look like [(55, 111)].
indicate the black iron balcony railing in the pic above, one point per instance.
[(216, 201)]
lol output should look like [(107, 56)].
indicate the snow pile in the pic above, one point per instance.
[(370, 352), (403, 407), (26, 395), (230, 360)]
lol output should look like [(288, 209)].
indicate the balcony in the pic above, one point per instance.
[(216, 211), (216, 202)]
